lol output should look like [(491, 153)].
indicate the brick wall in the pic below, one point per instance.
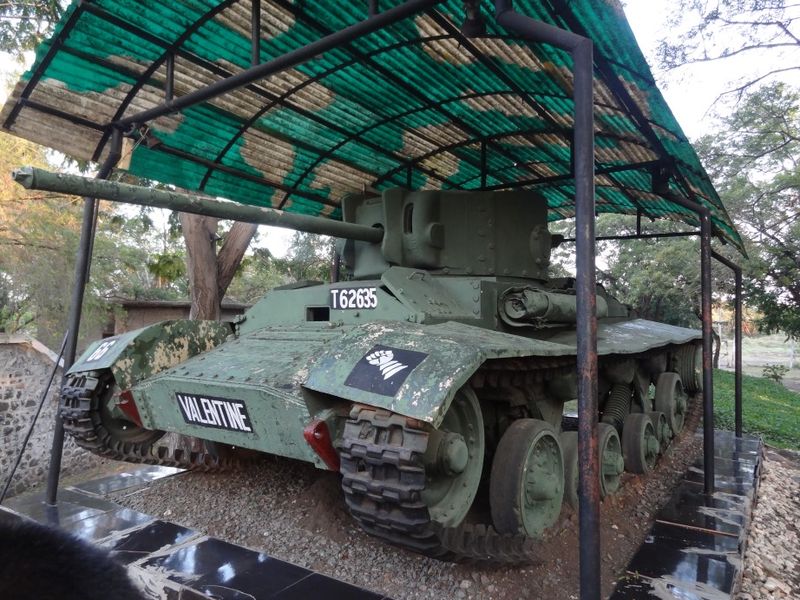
[(25, 367)]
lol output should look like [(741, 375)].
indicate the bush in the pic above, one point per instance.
[(774, 372)]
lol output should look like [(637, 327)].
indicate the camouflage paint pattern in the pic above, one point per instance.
[(265, 370), (141, 353)]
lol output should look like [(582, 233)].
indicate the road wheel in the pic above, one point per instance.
[(671, 400), (639, 443), (663, 430), (527, 480), (569, 452), (611, 460)]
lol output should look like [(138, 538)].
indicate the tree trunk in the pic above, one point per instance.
[(210, 273), (230, 255)]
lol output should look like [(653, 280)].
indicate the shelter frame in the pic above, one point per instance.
[(583, 174)]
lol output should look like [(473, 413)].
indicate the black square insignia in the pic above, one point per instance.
[(383, 370)]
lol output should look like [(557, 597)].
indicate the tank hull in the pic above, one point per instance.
[(262, 387), (401, 384)]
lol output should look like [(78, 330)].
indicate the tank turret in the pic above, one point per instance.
[(450, 232)]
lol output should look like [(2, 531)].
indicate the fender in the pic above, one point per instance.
[(414, 370), (138, 354)]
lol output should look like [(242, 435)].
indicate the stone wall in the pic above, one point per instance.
[(25, 367)]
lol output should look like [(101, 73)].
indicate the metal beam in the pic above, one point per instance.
[(285, 61), (705, 292), (392, 76), (581, 49), (255, 33), (600, 170), (82, 267), (55, 46), (171, 50), (737, 343), (642, 236), (708, 374)]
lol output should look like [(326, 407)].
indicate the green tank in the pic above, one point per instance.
[(434, 380)]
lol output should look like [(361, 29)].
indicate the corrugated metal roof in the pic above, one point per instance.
[(413, 103)]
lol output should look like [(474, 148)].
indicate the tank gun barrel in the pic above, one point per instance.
[(33, 178)]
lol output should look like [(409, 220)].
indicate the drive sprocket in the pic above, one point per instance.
[(384, 478)]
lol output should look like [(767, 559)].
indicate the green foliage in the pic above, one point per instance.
[(765, 34), (309, 257), (660, 279), (257, 274), (754, 163), (774, 372), (25, 23), (132, 257), (769, 409), (167, 267)]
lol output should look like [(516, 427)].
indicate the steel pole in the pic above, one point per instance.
[(583, 151), (82, 266), (738, 345), (708, 375), (737, 336), (589, 501)]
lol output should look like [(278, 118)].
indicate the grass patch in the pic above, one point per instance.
[(768, 409)]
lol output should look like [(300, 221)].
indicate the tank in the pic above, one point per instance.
[(434, 379)]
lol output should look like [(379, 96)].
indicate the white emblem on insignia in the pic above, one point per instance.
[(384, 360)]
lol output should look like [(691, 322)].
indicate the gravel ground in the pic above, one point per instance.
[(772, 564), (295, 512)]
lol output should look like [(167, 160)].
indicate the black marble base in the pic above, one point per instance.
[(170, 561), (694, 549)]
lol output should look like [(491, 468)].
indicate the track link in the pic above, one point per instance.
[(80, 411), (383, 476)]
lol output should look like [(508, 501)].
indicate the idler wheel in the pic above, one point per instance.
[(640, 445), (526, 485), (663, 430), (454, 461), (611, 461), (671, 400)]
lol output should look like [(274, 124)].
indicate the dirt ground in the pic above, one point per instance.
[(294, 512)]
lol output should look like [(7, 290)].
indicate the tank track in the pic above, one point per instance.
[(80, 414), (383, 476)]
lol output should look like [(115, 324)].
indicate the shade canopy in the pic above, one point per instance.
[(413, 104)]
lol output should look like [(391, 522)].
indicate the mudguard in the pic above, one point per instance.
[(414, 370), (138, 354), (632, 337)]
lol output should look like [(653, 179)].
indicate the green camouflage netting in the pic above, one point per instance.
[(409, 104)]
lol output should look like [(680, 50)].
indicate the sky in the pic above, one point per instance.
[(648, 19)]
